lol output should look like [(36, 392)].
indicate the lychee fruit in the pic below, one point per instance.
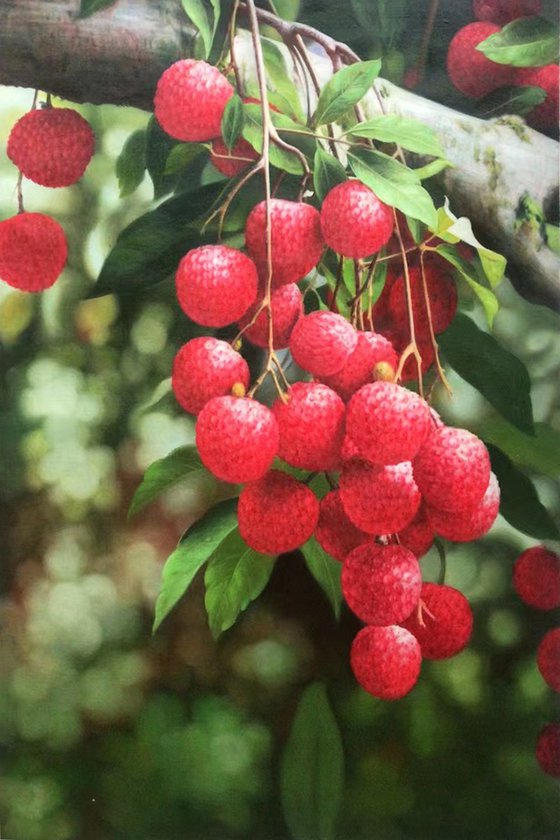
[(51, 146), (379, 500), (471, 523), (296, 239), (33, 251), (190, 100), (286, 304), (544, 116), (321, 342), (355, 223), (216, 285), (230, 162), (310, 421), (442, 622), (277, 514), (371, 350), (442, 294), (536, 578), (204, 368), (386, 661), (548, 749), (471, 72), (504, 11), (334, 532), (237, 438), (418, 537), (548, 658)]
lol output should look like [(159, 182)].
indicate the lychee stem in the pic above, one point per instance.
[(442, 561), (439, 368), (412, 349)]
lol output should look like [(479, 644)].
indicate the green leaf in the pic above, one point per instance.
[(327, 173), (235, 576), (131, 163), (519, 502), (280, 78), (164, 474), (221, 25), (88, 7), (394, 184), (198, 13), (553, 237), (312, 772), (181, 156), (449, 225), (344, 90), (433, 168), (253, 133), (511, 100), (468, 273), (326, 572), (158, 148), (410, 134), (539, 453), (232, 120), (525, 42), (194, 549), (495, 372)]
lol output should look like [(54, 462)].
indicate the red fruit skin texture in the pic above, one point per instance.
[(544, 116), (386, 661), (190, 99), (371, 349), (297, 243), (355, 223), (470, 524), (504, 11), (470, 71), (548, 750), (33, 251), (231, 162), (311, 426), (51, 146), (216, 285), (334, 532), (379, 500), (237, 438), (204, 368), (452, 469), (381, 583), (277, 514), (442, 623), (321, 342), (418, 537), (536, 578), (387, 423), (442, 294), (286, 304), (548, 658)]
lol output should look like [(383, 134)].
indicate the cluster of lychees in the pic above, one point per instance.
[(52, 147), (475, 75), (536, 579)]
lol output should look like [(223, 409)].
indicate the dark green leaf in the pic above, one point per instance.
[(88, 7), (253, 133), (525, 42), (327, 173), (312, 773), (540, 453), (199, 14), (181, 156), (279, 76), (344, 90), (232, 120), (165, 473), (193, 551), (158, 148), (326, 572), (499, 375), (235, 576), (131, 163), (519, 502), (410, 134), (221, 24), (511, 100), (468, 274)]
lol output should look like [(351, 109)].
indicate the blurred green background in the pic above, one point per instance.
[(109, 734)]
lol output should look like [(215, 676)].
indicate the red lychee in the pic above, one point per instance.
[(237, 438), (442, 623), (386, 661), (230, 162), (33, 251), (548, 749), (442, 294), (418, 537), (277, 514), (205, 368), (355, 223), (371, 350), (548, 658), (504, 11), (311, 425), (536, 578), (321, 342), (379, 500), (470, 71), (190, 100), (471, 523), (286, 305), (544, 116), (334, 532)]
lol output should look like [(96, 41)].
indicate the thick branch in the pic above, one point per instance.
[(117, 55)]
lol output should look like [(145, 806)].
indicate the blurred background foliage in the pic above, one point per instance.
[(107, 733)]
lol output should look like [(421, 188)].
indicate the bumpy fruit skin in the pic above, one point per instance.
[(355, 223), (33, 251), (504, 11), (470, 71), (442, 623), (418, 537), (216, 285), (297, 243), (387, 423), (204, 368), (536, 578), (386, 661), (286, 305), (379, 500), (381, 583), (548, 658), (442, 294), (190, 100), (311, 426), (472, 523), (321, 342), (237, 438), (334, 532), (548, 750), (545, 115), (277, 514), (51, 146), (452, 470), (371, 350)]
